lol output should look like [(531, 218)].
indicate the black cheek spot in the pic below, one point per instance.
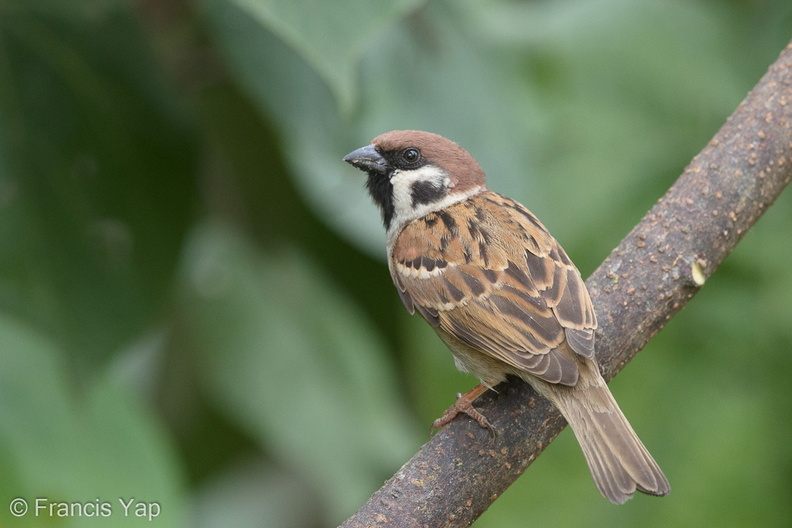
[(423, 192)]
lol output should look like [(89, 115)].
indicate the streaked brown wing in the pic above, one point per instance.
[(489, 274)]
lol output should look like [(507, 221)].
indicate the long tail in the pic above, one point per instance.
[(618, 460)]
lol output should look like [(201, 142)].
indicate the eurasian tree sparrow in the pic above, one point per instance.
[(501, 293)]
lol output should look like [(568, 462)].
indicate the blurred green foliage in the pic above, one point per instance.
[(195, 307)]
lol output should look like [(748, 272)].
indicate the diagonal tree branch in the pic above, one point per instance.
[(647, 279)]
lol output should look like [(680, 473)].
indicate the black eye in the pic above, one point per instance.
[(411, 155)]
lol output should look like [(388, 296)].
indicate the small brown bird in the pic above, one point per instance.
[(501, 293)]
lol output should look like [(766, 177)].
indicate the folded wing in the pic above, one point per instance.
[(495, 279)]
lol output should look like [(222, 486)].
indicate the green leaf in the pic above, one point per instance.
[(289, 358), (95, 175), (65, 447), (330, 36)]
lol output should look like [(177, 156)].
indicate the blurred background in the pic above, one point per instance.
[(195, 309)]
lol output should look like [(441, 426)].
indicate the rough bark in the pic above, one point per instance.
[(658, 267)]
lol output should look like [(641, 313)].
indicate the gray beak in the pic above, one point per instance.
[(367, 159)]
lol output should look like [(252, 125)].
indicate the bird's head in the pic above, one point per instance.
[(413, 173)]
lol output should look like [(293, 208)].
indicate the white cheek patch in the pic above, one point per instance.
[(403, 182)]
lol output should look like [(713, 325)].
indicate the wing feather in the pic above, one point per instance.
[(491, 276)]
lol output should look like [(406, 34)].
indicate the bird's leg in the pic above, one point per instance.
[(464, 404)]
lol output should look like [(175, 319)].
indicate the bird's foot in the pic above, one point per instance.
[(464, 404)]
